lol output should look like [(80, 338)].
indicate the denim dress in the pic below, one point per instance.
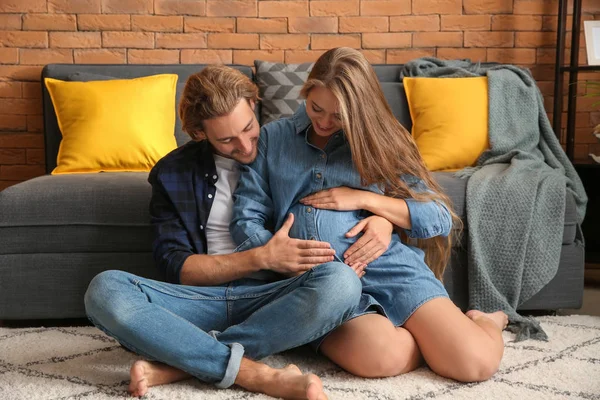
[(289, 168)]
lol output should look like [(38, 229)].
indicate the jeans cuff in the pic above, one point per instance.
[(233, 367)]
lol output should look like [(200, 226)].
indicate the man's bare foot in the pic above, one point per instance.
[(145, 374), (287, 383), (499, 317)]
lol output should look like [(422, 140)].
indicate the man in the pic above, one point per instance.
[(220, 310)]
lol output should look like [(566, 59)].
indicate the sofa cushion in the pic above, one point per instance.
[(180, 136), (84, 212)]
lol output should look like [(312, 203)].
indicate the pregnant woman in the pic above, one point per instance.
[(341, 164)]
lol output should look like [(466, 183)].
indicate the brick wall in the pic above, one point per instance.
[(38, 32)]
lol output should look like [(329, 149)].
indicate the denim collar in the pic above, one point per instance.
[(302, 121)]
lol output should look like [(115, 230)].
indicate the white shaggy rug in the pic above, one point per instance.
[(83, 363)]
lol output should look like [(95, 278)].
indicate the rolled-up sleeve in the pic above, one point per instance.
[(253, 205), (427, 218)]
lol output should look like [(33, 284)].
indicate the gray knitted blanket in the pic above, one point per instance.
[(515, 198)]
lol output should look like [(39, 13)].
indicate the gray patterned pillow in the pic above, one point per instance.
[(279, 86)]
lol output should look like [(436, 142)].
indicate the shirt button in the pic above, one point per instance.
[(313, 238), (210, 196), (308, 209), (214, 177), (201, 227), (319, 176), (206, 175)]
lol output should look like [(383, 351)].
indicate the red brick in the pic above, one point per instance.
[(23, 39), (206, 56), (363, 24), (23, 6), (10, 22), (516, 23), (302, 56), (231, 8), (98, 22), (76, 40), (488, 6), (313, 24), (7, 184), (36, 156), (324, 42), (386, 40), (283, 8), (334, 8), (46, 56), (21, 172), (20, 72), (32, 90), (21, 140), (181, 40), (550, 23), (511, 56), (156, 23), (13, 156), (489, 39), (233, 41), (10, 89), (466, 22), (535, 39), (180, 7), (536, 7), (262, 25), (291, 41), (247, 57), (49, 22), (75, 7), (12, 122), (438, 39), (584, 136), (385, 7), (212, 24), (35, 123), (418, 23), (437, 7), (374, 56), (474, 54), (128, 39), (127, 7), (154, 56), (539, 72), (9, 55), (100, 56), (22, 106), (403, 56)]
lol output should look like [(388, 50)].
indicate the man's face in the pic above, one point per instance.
[(234, 135)]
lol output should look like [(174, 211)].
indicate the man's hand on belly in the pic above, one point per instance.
[(292, 257)]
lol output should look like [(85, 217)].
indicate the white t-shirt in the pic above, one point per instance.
[(217, 227)]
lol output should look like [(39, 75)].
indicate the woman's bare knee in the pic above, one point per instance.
[(477, 368)]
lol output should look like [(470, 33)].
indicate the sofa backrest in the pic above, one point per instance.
[(389, 77)]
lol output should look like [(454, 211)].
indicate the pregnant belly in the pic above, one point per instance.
[(325, 225)]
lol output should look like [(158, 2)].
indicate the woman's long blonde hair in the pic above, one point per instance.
[(382, 149)]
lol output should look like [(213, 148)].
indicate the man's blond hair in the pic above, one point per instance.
[(213, 92)]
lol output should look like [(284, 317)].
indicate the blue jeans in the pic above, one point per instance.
[(205, 331)]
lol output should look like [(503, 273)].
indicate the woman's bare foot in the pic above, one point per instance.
[(145, 374), (287, 383), (499, 317)]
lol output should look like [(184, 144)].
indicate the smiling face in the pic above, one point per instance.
[(234, 135), (322, 109)]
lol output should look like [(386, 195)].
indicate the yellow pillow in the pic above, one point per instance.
[(114, 125), (450, 120)]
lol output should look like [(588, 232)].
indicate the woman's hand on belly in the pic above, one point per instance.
[(375, 240), (340, 198)]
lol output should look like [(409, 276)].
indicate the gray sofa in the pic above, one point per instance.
[(58, 232)]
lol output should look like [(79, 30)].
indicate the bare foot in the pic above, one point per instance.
[(145, 374), (287, 383), (499, 317)]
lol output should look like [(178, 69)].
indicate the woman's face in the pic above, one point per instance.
[(322, 109)]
